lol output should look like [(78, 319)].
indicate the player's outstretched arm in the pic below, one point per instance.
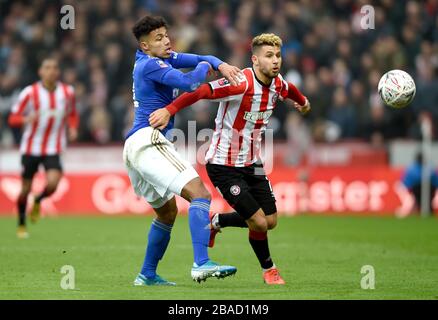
[(301, 103), (218, 90), (186, 81), (160, 117), (189, 60), (73, 119)]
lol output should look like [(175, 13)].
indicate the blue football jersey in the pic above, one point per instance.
[(153, 88)]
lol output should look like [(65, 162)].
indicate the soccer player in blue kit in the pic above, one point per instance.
[(156, 171)]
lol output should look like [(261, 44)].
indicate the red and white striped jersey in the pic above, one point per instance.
[(47, 134), (243, 114)]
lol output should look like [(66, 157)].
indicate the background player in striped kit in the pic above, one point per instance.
[(233, 159), (43, 109)]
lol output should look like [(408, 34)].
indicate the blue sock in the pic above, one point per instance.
[(158, 239), (198, 220)]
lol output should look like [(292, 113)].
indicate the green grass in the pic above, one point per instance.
[(319, 257)]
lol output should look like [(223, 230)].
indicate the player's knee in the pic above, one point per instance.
[(25, 190), (23, 196), (51, 188), (167, 213), (196, 194), (203, 193), (168, 217), (261, 226), (257, 223), (272, 222), (195, 189)]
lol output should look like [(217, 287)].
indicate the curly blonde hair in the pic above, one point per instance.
[(266, 39)]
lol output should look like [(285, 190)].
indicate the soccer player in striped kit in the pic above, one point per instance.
[(233, 159), (44, 109)]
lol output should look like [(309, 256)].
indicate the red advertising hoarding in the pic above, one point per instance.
[(319, 190)]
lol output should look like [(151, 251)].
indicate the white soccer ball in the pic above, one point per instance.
[(397, 88)]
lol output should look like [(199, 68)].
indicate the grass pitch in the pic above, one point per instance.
[(319, 257)]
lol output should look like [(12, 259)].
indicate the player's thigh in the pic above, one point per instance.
[(233, 188), (53, 168), (146, 190), (29, 166), (159, 164), (261, 189)]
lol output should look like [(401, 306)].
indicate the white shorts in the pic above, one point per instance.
[(157, 172)]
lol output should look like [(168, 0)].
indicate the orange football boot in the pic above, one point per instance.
[(272, 276)]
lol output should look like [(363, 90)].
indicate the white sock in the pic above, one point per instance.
[(273, 267)]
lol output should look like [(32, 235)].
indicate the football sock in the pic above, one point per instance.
[(259, 243), (232, 219), (42, 196), (158, 239), (22, 202), (198, 222)]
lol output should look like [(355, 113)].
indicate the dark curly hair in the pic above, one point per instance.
[(147, 24)]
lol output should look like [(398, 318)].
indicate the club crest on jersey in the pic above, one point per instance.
[(257, 116), (235, 190), (275, 98), (162, 64)]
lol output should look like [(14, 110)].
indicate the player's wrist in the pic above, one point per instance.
[(172, 109), (221, 66)]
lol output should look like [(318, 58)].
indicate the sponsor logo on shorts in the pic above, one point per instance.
[(235, 190)]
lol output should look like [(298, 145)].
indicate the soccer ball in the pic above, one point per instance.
[(397, 88)]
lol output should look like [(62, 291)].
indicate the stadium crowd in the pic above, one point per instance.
[(326, 53)]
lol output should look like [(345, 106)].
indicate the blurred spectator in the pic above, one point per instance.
[(299, 138), (343, 114), (376, 128), (326, 53)]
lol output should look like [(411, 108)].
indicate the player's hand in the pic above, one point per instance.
[(231, 73), (159, 118), (72, 134), (303, 109), (31, 118)]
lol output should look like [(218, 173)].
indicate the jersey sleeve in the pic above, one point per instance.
[(292, 92), (189, 60), (218, 90), (222, 90), (72, 117), (157, 70), (20, 108)]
